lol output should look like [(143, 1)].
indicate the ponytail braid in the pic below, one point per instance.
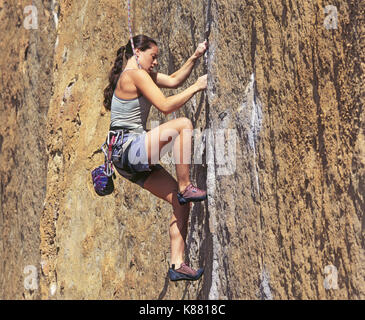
[(113, 77)]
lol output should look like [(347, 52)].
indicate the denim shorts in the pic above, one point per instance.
[(133, 162)]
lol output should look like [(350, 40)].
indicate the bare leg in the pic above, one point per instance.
[(163, 185), (180, 131)]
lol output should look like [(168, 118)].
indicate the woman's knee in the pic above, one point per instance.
[(185, 123)]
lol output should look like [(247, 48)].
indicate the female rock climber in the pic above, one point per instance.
[(129, 95)]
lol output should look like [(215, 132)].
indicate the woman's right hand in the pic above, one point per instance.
[(202, 82)]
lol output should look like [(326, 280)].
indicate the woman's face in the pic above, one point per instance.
[(148, 58)]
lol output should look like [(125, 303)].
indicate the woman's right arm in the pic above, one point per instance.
[(152, 92)]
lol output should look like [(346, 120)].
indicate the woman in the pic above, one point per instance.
[(129, 96)]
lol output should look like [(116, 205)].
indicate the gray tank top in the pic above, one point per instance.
[(130, 114)]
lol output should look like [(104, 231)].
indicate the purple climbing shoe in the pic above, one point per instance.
[(191, 194), (184, 273)]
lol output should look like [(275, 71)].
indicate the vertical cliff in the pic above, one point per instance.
[(26, 89), (281, 135)]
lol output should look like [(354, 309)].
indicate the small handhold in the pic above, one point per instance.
[(222, 115)]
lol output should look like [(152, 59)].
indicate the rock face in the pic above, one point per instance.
[(26, 89), (281, 130)]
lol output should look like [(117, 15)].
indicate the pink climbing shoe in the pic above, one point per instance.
[(191, 194)]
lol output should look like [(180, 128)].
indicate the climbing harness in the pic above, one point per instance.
[(130, 32), (111, 140), (103, 175), (116, 133), (107, 148)]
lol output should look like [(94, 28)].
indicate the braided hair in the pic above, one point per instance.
[(141, 42)]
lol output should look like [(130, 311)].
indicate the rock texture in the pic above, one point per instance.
[(284, 101), (26, 89)]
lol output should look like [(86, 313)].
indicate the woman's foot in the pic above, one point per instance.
[(191, 194), (185, 273)]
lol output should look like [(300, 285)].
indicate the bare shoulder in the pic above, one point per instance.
[(140, 74), (141, 78)]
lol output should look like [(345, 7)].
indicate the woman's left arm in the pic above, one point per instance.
[(178, 77)]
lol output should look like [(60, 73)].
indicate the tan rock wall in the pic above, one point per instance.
[(288, 88), (26, 88)]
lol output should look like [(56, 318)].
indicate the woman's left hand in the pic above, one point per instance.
[(202, 47)]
